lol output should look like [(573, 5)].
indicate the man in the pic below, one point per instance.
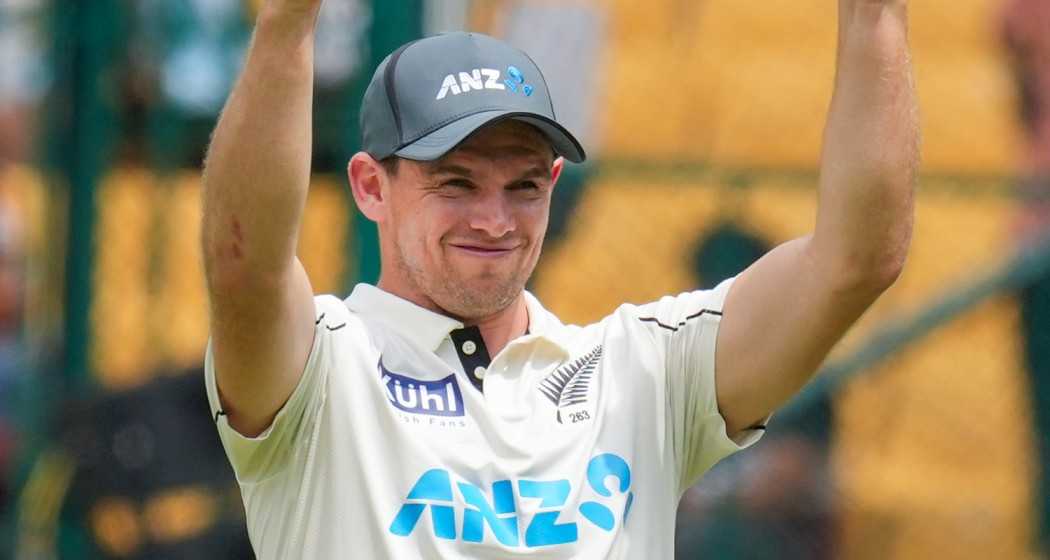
[(445, 413)]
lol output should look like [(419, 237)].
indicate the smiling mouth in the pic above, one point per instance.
[(482, 251)]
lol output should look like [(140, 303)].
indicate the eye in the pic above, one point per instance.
[(525, 186), (458, 184)]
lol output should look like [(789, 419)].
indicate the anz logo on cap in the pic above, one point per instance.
[(484, 78), (434, 398)]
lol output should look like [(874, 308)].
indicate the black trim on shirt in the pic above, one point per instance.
[(480, 357), (680, 323)]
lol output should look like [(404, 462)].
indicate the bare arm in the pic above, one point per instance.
[(785, 313), (255, 183)]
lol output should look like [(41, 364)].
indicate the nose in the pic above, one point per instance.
[(493, 215)]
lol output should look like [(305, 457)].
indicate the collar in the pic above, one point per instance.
[(427, 329), (421, 326), (544, 324)]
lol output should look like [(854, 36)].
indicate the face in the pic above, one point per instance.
[(464, 233)]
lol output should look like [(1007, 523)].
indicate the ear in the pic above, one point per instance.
[(367, 178), (556, 169)]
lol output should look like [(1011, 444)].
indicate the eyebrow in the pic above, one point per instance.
[(536, 171), (451, 169)]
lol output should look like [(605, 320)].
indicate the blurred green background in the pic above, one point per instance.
[(926, 437)]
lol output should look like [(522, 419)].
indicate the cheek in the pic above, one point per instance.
[(407, 229), (534, 221), (422, 228)]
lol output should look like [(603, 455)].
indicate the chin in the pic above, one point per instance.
[(479, 297)]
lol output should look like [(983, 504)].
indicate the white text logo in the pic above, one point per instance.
[(476, 79)]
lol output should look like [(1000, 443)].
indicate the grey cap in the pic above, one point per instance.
[(429, 95)]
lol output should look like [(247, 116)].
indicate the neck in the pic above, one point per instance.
[(505, 325)]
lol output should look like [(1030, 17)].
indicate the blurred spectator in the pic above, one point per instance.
[(1026, 32), (135, 475)]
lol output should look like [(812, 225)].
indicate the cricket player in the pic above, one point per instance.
[(444, 413)]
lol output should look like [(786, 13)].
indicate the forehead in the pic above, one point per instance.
[(503, 140)]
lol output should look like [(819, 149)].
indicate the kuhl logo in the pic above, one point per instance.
[(435, 398), (549, 525), (483, 78)]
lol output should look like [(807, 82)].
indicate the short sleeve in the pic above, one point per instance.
[(255, 459), (685, 328)]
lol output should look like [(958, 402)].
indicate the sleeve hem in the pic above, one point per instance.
[(749, 436), (240, 449), (220, 416)]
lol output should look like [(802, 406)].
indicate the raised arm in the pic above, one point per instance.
[(783, 315), (255, 183)]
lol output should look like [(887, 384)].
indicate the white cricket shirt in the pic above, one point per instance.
[(404, 440)]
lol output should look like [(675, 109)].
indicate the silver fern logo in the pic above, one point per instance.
[(568, 385)]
